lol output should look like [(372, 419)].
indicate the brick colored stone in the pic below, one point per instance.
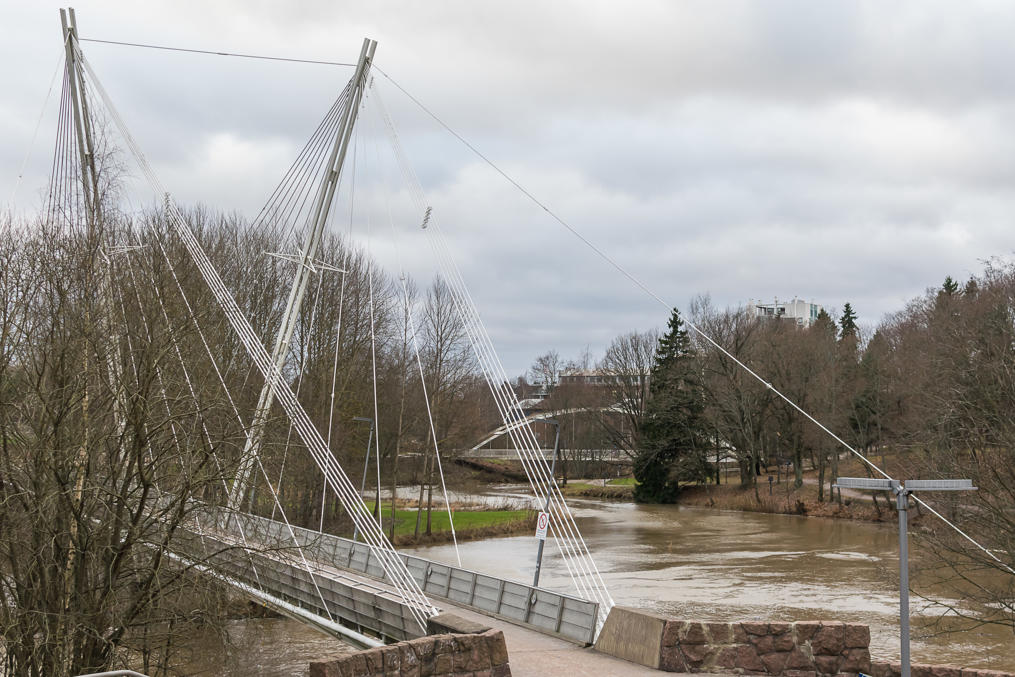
[(779, 628), (374, 661), (775, 663), (857, 636), (783, 641), (721, 633), (748, 659), (947, 671), (407, 658), (858, 660), (693, 633), (695, 654), (827, 665), (739, 634), (726, 658), (671, 633), (798, 660), (501, 671), (806, 630), (756, 628), (881, 669), (764, 644), (443, 664), (829, 640), (357, 664), (672, 660), (392, 659), (497, 647)]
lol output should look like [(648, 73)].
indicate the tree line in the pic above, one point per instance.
[(928, 392), (124, 401)]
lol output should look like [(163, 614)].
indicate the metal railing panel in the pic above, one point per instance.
[(545, 610)]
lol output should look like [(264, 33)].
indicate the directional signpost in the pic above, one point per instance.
[(902, 492)]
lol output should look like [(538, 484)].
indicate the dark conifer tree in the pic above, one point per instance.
[(847, 323), (672, 445)]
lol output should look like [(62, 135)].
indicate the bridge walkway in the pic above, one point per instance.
[(531, 651)]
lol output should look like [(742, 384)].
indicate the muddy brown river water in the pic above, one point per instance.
[(691, 563)]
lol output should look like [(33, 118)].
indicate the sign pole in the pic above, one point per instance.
[(542, 522)]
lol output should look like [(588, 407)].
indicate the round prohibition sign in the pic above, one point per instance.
[(543, 521)]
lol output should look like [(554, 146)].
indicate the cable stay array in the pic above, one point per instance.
[(285, 205), (296, 216)]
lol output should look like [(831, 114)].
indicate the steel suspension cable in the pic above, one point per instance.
[(574, 552), (194, 319), (691, 325), (564, 546), (416, 350)]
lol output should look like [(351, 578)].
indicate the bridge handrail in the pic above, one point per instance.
[(545, 610)]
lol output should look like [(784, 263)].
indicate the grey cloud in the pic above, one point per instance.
[(840, 151)]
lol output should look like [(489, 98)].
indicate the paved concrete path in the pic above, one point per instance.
[(532, 653)]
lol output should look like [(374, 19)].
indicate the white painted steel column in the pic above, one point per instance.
[(305, 267)]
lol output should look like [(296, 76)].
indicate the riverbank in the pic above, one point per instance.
[(776, 497), (471, 522)]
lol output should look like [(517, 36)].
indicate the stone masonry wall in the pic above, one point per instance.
[(803, 649), (467, 655)]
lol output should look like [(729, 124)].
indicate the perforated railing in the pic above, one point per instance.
[(550, 612)]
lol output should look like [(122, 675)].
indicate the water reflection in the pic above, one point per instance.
[(267, 647)]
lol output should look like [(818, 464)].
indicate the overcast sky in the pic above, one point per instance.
[(834, 151)]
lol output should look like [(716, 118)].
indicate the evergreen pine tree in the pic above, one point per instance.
[(672, 445), (847, 323)]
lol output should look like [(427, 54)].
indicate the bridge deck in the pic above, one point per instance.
[(530, 651)]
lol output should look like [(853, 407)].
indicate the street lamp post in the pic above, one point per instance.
[(902, 492), (546, 509)]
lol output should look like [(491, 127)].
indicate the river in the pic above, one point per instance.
[(689, 563), (718, 565)]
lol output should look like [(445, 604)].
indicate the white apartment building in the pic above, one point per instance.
[(803, 312)]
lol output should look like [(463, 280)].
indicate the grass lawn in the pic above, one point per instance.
[(465, 520), (623, 481)]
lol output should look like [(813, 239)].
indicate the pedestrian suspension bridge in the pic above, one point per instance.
[(359, 588)]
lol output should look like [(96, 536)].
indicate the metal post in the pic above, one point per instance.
[(304, 268), (553, 465), (902, 502), (902, 493), (366, 464)]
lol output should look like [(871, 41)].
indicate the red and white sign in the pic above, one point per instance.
[(542, 522)]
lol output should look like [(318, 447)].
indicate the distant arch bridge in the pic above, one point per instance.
[(478, 451)]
